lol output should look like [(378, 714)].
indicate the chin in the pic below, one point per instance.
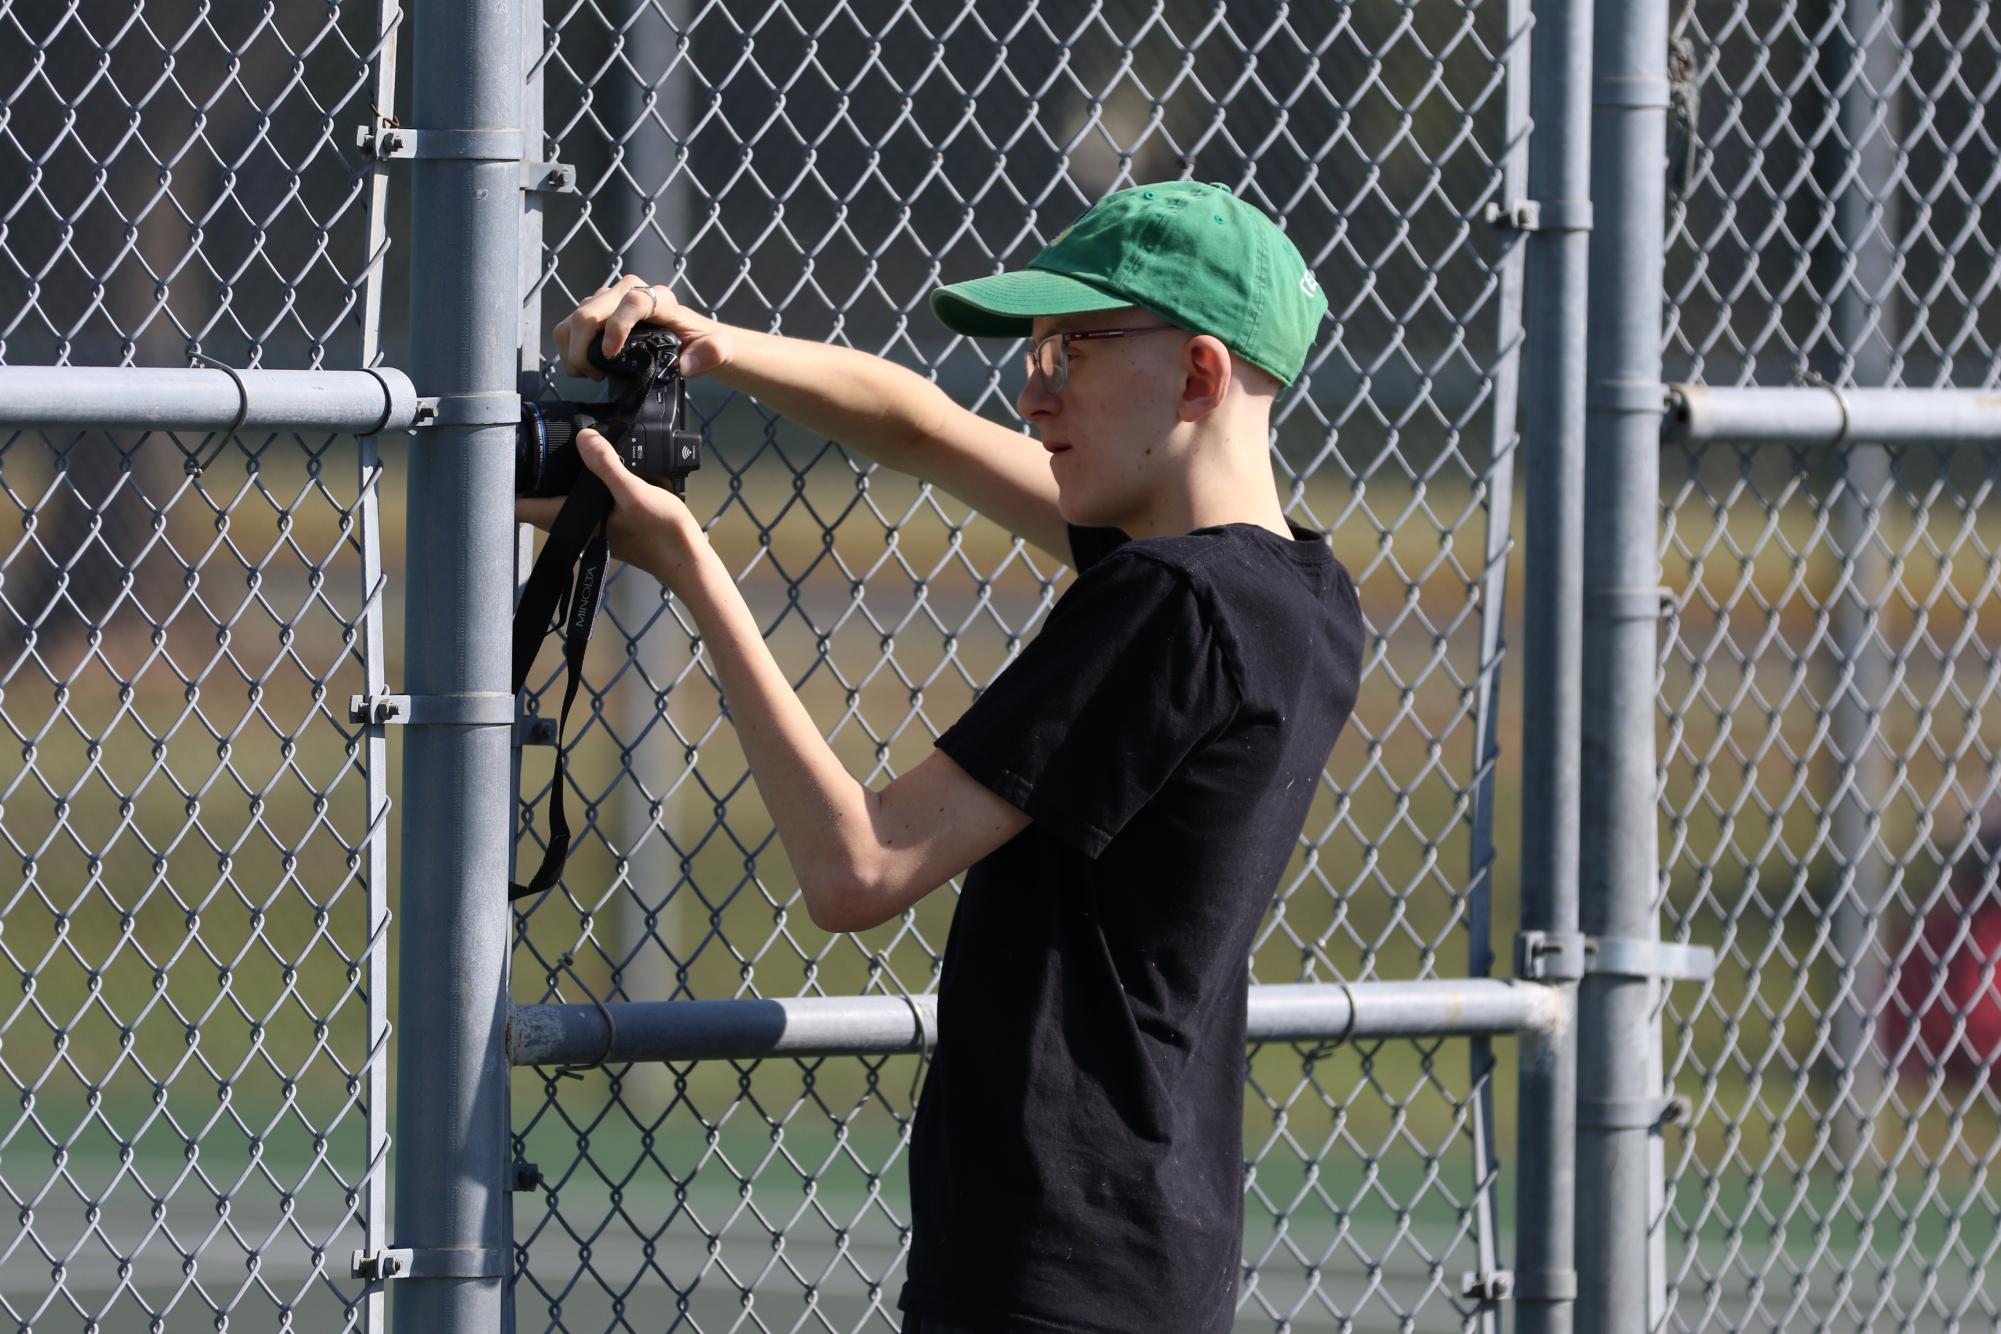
[(1078, 509)]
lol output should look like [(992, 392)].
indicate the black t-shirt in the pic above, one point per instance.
[(1077, 1158)]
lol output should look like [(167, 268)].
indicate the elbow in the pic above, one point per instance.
[(836, 899)]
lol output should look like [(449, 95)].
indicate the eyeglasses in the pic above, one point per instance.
[(1050, 356)]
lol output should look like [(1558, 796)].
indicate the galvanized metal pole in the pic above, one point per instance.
[(1499, 537), (1545, 1279), (1618, 1032), (654, 218), (451, 1065), (1857, 267)]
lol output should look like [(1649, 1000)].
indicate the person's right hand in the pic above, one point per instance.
[(617, 310)]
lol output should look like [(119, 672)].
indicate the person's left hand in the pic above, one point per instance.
[(649, 527)]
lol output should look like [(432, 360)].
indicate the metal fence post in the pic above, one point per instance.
[(1618, 1035), (466, 186), (1860, 172), (1545, 1282)]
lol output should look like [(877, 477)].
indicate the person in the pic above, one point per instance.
[(1125, 794), (1945, 1010)]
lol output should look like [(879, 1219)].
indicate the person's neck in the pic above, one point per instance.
[(1208, 497)]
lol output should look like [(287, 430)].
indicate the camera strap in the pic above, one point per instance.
[(576, 541)]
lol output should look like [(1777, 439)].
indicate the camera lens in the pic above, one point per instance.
[(546, 461)]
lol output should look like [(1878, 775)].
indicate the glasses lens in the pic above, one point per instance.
[(1047, 358)]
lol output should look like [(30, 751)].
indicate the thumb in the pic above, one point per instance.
[(702, 354), (602, 459)]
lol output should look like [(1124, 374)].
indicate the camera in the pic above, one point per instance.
[(644, 414)]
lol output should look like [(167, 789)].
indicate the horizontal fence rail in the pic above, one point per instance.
[(1828, 416), (874, 1025), (144, 398)]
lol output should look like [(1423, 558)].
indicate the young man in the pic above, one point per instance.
[(1126, 793)]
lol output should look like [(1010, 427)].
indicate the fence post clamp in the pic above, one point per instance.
[(1652, 1115), (475, 708), (385, 142), (534, 729), (500, 408), (1612, 956), (1548, 956), (436, 1262), (1539, 215)]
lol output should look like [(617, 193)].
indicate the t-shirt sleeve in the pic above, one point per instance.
[(1125, 679)]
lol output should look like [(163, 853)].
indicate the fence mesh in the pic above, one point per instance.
[(1827, 692), (816, 170), (197, 915), (191, 910)]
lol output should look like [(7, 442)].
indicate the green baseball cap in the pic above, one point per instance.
[(1195, 254)]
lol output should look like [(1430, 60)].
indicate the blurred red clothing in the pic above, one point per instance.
[(1947, 976)]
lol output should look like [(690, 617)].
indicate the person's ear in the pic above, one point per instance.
[(1205, 377)]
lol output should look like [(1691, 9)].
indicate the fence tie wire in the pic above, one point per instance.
[(564, 961), (194, 466)]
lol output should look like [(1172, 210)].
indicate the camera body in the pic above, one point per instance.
[(644, 415)]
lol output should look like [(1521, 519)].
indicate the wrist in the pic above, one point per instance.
[(678, 548)]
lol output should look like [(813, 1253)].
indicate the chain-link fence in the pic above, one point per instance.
[(1827, 688), (193, 913), (817, 171), (199, 928)]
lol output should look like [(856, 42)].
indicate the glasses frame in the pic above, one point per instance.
[(1058, 382)]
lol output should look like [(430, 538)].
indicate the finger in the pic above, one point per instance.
[(637, 305), (540, 511), (602, 459), (582, 326)]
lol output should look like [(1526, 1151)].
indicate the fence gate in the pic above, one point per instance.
[(714, 1120)]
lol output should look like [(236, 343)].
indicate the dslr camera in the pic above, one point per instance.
[(644, 414)]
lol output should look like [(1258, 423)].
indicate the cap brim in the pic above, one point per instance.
[(1004, 305)]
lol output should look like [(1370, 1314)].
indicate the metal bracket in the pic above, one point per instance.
[(1631, 602), (1494, 1286), (1615, 957), (1540, 215), (532, 729), (1546, 956), (490, 409), (390, 143), (527, 1176), (437, 1262), (548, 178), (480, 708), (1521, 216), (1649, 1114)]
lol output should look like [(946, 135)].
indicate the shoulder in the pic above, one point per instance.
[(1145, 570), (1154, 590)]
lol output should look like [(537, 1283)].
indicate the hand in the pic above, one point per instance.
[(649, 527), (617, 310)]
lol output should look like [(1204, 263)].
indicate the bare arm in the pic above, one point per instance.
[(861, 856), (867, 403)]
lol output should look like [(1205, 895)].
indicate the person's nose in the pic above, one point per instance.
[(1035, 399)]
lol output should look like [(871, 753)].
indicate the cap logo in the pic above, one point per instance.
[(1308, 284)]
